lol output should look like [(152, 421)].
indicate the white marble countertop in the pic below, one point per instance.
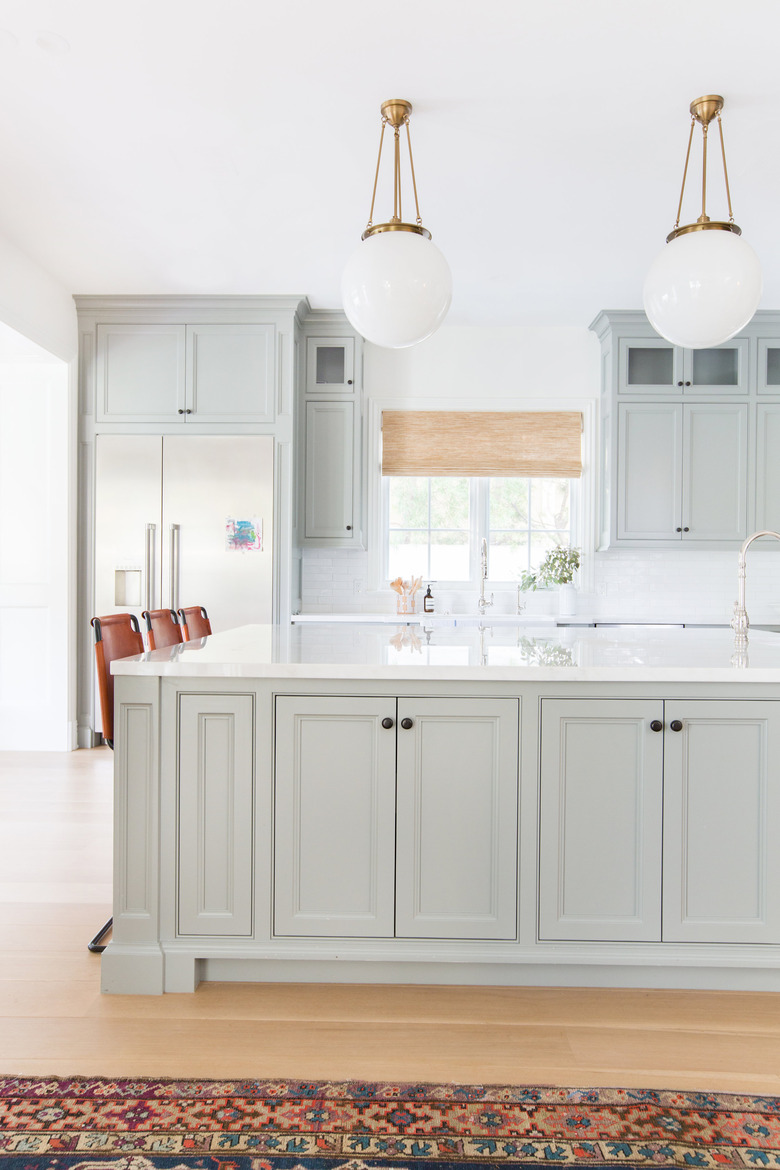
[(481, 652)]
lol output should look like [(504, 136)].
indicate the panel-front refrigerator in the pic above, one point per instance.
[(185, 520)]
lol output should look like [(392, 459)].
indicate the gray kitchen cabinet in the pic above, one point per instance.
[(396, 818), (330, 365), (684, 460), (182, 373), (215, 793), (330, 433), (682, 471), (685, 852), (721, 874), (650, 365), (330, 491), (601, 820), (768, 466)]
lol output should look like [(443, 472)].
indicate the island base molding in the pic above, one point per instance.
[(141, 971)]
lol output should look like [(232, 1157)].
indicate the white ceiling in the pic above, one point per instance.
[(228, 146)]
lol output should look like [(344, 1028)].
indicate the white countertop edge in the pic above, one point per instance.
[(430, 673)]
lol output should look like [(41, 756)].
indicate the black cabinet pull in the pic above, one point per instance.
[(387, 723), (349, 528), (678, 529), (407, 723), (656, 725), (687, 383), (188, 411), (181, 411), (676, 725), (686, 529), (349, 381), (679, 383)]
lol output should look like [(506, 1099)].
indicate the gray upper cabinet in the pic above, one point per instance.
[(330, 365), (329, 443), (220, 373), (690, 438), (649, 365)]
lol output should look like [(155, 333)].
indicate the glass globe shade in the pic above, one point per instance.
[(703, 288), (396, 288)]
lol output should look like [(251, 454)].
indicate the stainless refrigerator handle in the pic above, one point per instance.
[(174, 603), (151, 530)]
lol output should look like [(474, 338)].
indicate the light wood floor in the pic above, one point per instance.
[(55, 812)]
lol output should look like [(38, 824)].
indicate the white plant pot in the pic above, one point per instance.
[(567, 601)]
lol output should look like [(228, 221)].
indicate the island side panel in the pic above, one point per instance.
[(133, 960)]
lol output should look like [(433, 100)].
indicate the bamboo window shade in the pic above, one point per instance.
[(489, 443)]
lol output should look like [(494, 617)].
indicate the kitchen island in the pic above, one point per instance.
[(482, 804)]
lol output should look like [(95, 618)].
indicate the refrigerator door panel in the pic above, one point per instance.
[(217, 534), (127, 523)]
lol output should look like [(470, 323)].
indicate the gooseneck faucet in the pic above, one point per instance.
[(739, 622), (483, 603)]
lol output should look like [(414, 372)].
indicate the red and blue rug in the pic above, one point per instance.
[(55, 1123)]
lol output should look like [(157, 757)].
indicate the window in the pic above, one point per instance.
[(435, 525)]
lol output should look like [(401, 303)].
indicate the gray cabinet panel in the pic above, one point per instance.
[(330, 457), (230, 373), (768, 466), (457, 819), (715, 471), (215, 800), (335, 817), (601, 820), (721, 822), (140, 372), (649, 492)]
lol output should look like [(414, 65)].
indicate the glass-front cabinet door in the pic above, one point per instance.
[(648, 365), (722, 370), (330, 365), (653, 366), (768, 379)]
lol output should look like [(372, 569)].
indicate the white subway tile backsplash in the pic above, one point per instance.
[(663, 585)]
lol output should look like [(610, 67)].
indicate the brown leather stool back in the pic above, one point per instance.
[(194, 622), (116, 636), (162, 628)]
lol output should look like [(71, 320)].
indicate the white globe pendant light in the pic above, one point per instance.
[(706, 283), (396, 286)]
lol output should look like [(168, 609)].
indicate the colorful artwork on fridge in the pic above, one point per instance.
[(243, 535)]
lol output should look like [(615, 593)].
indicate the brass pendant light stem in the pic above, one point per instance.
[(725, 168), (376, 176), (414, 180), (397, 175), (685, 173), (704, 217)]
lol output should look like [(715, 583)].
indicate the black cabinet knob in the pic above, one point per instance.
[(407, 723), (678, 529), (656, 725), (349, 381), (686, 529), (181, 411), (188, 411), (349, 528), (676, 725), (387, 723), (679, 383), (687, 383)]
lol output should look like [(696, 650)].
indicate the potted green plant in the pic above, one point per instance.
[(558, 568)]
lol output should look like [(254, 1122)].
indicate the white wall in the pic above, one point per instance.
[(38, 350)]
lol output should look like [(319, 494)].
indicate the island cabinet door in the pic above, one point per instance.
[(601, 820), (215, 795), (722, 821), (334, 840), (456, 867)]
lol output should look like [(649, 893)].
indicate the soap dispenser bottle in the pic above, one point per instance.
[(428, 601)]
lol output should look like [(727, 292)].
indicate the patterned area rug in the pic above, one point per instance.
[(98, 1124)]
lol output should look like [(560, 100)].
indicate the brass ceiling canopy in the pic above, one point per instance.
[(703, 110), (396, 112)]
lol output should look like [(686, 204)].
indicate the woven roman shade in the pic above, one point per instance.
[(489, 443)]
